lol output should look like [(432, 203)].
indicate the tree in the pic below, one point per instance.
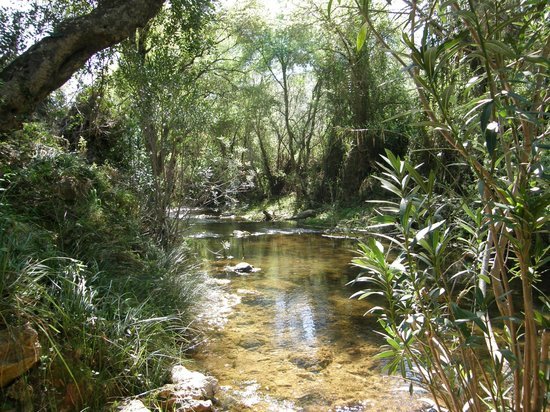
[(49, 63), (160, 71), (363, 89)]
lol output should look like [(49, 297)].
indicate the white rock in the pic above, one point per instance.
[(134, 406), (198, 385)]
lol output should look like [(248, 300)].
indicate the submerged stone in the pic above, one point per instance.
[(251, 343), (313, 362)]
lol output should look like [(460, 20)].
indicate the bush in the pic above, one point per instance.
[(445, 329)]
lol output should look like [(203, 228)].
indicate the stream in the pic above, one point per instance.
[(287, 337)]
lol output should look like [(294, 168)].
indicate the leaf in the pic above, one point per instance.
[(375, 309), (362, 294), (435, 125), (500, 48), (420, 235), (463, 315), (393, 343), (329, 8), (485, 115), (429, 58), (481, 188), (385, 354), (491, 141), (408, 41), (362, 36)]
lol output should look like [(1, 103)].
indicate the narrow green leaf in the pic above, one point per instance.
[(429, 58), (393, 343), (385, 354), (491, 141), (485, 116), (500, 48), (420, 235), (362, 36), (365, 294)]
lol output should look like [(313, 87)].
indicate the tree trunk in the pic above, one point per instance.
[(49, 63)]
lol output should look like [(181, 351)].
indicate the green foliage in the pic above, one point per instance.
[(443, 330), (480, 73), (159, 85), (112, 309)]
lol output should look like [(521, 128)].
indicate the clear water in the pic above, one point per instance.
[(294, 341)]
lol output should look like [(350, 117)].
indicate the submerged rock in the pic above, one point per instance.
[(313, 362), (251, 343), (19, 351)]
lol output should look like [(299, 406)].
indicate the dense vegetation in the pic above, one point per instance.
[(440, 110)]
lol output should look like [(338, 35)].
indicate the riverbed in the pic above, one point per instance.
[(287, 337)]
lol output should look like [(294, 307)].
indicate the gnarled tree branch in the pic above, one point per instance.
[(49, 63)]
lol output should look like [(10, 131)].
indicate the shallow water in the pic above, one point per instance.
[(292, 340)]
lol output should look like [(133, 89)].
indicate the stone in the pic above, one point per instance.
[(304, 214), (241, 233), (134, 406), (241, 268), (190, 391), (19, 351), (251, 343), (313, 362), (180, 399), (195, 383)]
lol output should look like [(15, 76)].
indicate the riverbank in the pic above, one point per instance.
[(349, 216)]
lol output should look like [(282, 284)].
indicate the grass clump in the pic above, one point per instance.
[(112, 309)]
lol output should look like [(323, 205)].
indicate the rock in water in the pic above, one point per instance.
[(241, 233), (313, 362), (243, 267), (198, 385), (19, 351)]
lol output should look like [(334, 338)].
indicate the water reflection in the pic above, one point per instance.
[(294, 321)]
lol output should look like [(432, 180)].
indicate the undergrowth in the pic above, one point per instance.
[(112, 309)]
